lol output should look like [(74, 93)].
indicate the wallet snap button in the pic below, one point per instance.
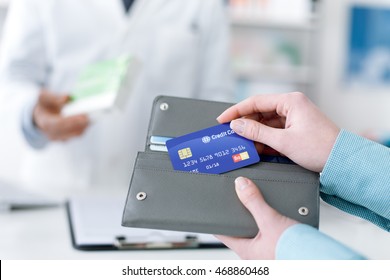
[(164, 106), (303, 211), (141, 196)]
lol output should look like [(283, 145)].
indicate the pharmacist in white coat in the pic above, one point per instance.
[(182, 45)]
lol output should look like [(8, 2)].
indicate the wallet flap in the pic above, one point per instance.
[(176, 116)]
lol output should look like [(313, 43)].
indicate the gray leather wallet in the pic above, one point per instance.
[(161, 198)]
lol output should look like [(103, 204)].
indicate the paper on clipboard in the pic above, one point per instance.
[(95, 223)]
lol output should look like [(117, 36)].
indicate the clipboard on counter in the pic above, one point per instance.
[(95, 225)]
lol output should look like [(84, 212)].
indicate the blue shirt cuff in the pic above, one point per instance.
[(355, 178), (303, 242), (35, 138)]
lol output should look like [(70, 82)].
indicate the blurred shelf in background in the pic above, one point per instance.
[(272, 43), (254, 22)]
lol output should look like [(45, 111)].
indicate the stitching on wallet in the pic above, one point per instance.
[(224, 176)]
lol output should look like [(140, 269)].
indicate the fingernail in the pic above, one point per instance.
[(238, 126), (241, 183)]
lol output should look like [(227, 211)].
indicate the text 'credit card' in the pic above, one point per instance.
[(213, 150)]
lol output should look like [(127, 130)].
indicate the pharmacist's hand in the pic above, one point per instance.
[(47, 117), (289, 123), (271, 224)]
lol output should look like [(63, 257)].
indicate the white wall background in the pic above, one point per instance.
[(357, 110)]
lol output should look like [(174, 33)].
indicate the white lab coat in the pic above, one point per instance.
[(184, 49)]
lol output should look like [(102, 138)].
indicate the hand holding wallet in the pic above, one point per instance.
[(162, 198)]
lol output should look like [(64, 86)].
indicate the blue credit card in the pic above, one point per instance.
[(213, 150)]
